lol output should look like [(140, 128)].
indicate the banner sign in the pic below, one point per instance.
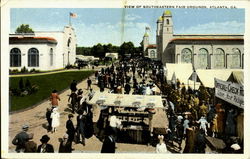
[(231, 92)]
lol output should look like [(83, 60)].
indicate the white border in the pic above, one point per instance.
[(5, 30)]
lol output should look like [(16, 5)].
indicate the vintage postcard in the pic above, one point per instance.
[(127, 79)]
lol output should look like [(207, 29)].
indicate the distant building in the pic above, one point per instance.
[(86, 58), (112, 55), (202, 51), (149, 50), (43, 50)]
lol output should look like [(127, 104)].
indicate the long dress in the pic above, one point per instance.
[(161, 148), (55, 119)]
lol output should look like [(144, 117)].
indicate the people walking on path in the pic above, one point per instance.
[(70, 128), (30, 145), (21, 138), (54, 98), (45, 147), (73, 86), (49, 120), (73, 100), (81, 126), (55, 116), (89, 82)]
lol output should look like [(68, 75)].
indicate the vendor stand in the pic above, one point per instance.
[(140, 115)]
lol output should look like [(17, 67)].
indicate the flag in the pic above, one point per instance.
[(73, 15), (147, 28)]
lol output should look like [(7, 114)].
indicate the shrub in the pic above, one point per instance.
[(68, 66), (20, 84), (15, 92), (34, 89), (32, 70), (24, 70), (13, 71)]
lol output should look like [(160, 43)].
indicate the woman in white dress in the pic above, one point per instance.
[(161, 146), (55, 119)]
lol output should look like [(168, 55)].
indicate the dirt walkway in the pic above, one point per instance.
[(37, 121)]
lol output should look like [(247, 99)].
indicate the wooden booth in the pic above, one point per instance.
[(140, 115)]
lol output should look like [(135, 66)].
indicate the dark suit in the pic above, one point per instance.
[(48, 149), (70, 130), (81, 127), (20, 140), (108, 145)]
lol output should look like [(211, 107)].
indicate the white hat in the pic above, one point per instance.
[(235, 147), (55, 109)]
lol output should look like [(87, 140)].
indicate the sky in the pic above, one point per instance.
[(118, 25)]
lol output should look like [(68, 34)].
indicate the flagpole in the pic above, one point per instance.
[(69, 20)]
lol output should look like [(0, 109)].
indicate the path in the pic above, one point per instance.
[(37, 121)]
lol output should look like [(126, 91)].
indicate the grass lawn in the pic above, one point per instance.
[(46, 84)]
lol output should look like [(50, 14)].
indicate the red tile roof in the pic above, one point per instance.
[(22, 39), (152, 46)]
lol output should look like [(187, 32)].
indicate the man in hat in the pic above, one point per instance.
[(73, 100), (20, 139), (70, 128), (45, 147), (81, 126)]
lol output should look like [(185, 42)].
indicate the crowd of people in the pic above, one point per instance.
[(192, 114)]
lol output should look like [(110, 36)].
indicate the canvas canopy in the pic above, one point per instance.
[(179, 71), (126, 100), (236, 77), (207, 76)]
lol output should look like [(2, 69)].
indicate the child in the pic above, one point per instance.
[(55, 119)]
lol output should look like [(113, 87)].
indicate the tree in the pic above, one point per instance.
[(98, 50), (24, 28), (127, 49)]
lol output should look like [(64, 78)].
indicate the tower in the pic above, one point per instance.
[(145, 43), (167, 35), (159, 37)]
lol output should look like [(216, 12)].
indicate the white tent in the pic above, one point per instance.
[(180, 71), (207, 76)]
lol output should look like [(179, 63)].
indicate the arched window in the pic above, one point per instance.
[(235, 58), (33, 57), (167, 21), (51, 56), (15, 57), (152, 54), (186, 56), (202, 58), (69, 41), (219, 58)]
